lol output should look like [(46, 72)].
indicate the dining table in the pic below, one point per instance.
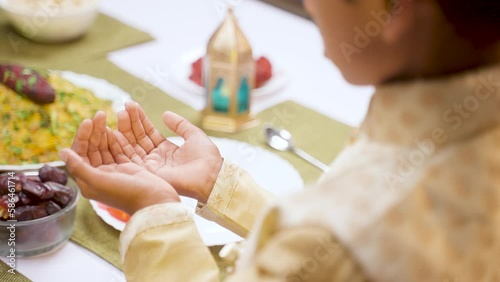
[(139, 46)]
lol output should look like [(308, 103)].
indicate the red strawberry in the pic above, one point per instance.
[(264, 71), (197, 66), (196, 71)]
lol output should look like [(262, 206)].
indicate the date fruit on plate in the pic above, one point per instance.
[(34, 197), (263, 71), (28, 83)]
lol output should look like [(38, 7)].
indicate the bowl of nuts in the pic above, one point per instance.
[(37, 211)]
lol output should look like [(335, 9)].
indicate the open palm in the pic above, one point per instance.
[(191, 169), (123, 184)]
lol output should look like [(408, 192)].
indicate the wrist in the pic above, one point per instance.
[(215, 168), (157, 200)]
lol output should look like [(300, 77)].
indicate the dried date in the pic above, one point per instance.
[(37, 189), (51, 207), (62, 194), (24, 199), (17, 181), (4, 205), (38, 211), (23, 213), (54, 174), (35, 196)]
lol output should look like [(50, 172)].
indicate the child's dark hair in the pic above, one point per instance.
[(475, 20)]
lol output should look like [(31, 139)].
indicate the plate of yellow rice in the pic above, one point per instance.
[(31, 134)]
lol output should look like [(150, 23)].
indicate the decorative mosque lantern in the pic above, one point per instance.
[(229, 75)]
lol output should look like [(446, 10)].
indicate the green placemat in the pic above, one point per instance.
[(92, 233), (107, 34), (315, 133), (6, 276)]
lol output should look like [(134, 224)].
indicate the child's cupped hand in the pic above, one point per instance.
[(192, 169), (104, 173)]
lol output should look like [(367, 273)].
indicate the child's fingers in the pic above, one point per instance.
[(81, 142), (137, 128), (86, 175), (125, 127), (149, 128), (106, 156), (99, 125), (127, 149), (115, 149), (180, 125)]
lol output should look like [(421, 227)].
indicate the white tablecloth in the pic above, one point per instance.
[(180, 26)]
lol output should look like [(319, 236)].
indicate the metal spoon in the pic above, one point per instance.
[(281, 140)]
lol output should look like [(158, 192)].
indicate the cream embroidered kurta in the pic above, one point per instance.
[(414, 198)]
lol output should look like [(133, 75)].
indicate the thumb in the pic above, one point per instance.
[(180, 125), (77, 166)]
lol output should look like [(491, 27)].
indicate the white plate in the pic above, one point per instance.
[(182, 70), (101, 89), (269, 170)]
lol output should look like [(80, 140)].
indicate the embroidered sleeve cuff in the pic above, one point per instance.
[(235, 200), (150, 217)]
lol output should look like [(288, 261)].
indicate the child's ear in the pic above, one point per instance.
[(403, 16)]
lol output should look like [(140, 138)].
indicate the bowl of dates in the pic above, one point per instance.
[(37, 210)]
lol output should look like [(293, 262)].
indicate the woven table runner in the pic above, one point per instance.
[(106, 34), (6, 276)]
